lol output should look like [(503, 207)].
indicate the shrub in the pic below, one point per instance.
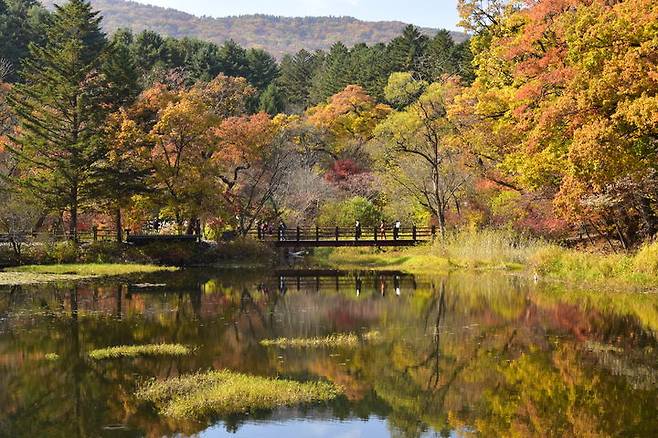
[(646, 260), (63, 252)]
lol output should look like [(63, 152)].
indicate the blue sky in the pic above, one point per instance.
[(432, 13)]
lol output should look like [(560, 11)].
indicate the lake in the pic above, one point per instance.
[(467, 354)]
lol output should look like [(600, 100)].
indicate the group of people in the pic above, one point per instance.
[(265, 228), (397, 227)]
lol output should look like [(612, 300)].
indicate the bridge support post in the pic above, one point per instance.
[(337, 233), (375, 234), (317, 233), (433, 232), (94, 230), (414, 233), (299, 234)]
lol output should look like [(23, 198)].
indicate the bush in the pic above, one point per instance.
[(102, 252), (242, 248), (63, 252), (173, 253), (646, 260)]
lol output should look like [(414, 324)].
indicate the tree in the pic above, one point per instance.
[(263, 69), (61, 109), (418, 154), (297, 72), (271, 100), (21, 23), (348, 119), (407, 50)]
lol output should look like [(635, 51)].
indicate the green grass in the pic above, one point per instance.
[(131, 351), (51, 357), (36, 274), (498, 250), (213, 393), (335, 340)]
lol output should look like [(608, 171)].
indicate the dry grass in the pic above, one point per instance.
[(139, 351), (213, 393)]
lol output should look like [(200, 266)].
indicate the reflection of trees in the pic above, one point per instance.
[(473, 355)]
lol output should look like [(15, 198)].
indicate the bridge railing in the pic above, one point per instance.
[(338, 234)]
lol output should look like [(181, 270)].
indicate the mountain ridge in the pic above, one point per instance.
[(279, 35)]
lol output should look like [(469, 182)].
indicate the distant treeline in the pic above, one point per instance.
[(277, 35), (299, 81)]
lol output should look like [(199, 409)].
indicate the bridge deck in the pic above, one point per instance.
[(325, 237), (342, 243)]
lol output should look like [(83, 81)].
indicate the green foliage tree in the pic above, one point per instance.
[(21, 23), (296, 76), (271, 100), (61, 109)]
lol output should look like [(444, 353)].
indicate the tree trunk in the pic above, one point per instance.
[(648, 215), (190, 226), (118, 225), (73, 224)]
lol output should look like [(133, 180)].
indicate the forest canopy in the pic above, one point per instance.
[(545, 122)]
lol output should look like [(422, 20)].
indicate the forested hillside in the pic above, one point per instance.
[(277, 35)]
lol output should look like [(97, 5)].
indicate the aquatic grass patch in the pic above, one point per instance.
[(224, 392), (51, 357), (132, 351), (335, 340)]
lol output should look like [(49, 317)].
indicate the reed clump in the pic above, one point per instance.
[(338, 340), (224, 392), (132, 351)]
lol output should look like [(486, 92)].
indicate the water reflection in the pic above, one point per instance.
[(486, 354)]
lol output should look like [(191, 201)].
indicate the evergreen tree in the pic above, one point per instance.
[(61, 109), (149, 50), (271, 100), (408, 49), (336, 73), (263, 69), (21, 23), (234, 60), (296, 76)]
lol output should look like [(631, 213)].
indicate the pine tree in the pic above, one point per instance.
[(21, 22), (262, 68), (296, 76), (271, 100), (408, 49), (61, 109), (335, 74)]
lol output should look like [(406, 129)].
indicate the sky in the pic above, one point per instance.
[(429, 13)]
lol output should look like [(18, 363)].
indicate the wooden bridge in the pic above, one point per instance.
[(319, 237)]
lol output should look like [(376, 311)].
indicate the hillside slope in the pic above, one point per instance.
[(277, 35)]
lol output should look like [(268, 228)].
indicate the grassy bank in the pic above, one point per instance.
[(205, 395), (36, 274), (492, 250)]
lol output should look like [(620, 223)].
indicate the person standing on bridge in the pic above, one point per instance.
[(382, 230), (357, 230), (396, 229), (282, 231)]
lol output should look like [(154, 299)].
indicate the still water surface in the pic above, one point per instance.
[(488, 355)]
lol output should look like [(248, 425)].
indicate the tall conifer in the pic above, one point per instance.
[(61, 108)]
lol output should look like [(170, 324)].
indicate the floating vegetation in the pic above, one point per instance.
[(139, 350), (51, 357), (335, 340), (225, 392)]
